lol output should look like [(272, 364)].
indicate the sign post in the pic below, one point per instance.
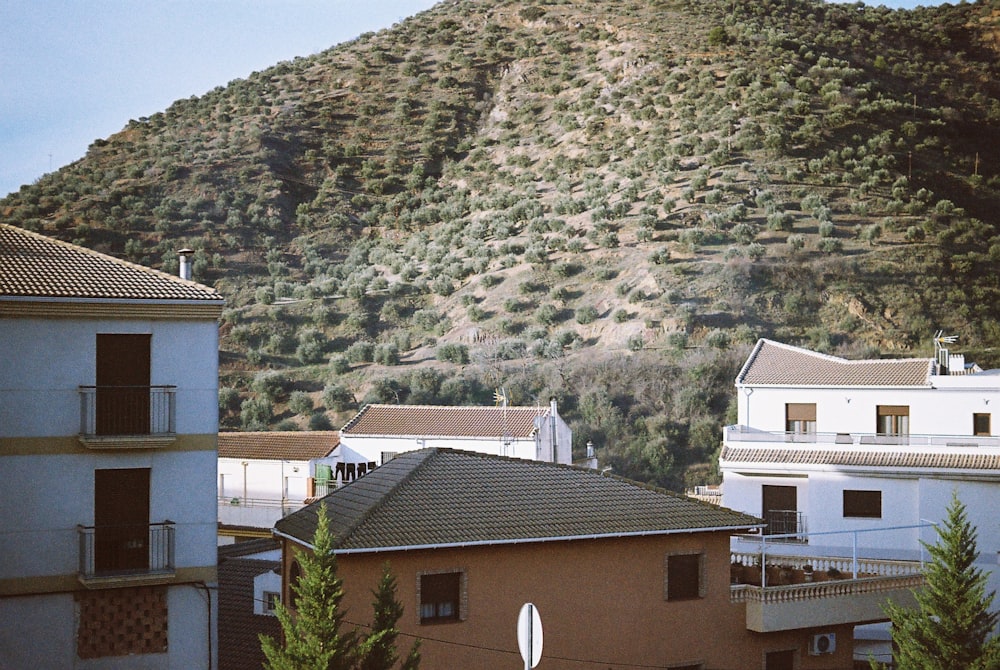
[(529, 635)]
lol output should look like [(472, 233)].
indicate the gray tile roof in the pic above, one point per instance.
[(774, 363), (288, 445), (940, 460), (35, 266), (239, 627), (435, 420), (443, 497)]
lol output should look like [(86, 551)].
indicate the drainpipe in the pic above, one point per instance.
[(553, 415)]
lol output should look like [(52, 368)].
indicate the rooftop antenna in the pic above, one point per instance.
[(940, 351)]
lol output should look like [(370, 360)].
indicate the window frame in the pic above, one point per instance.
[(897, 417), (800, 418), (860, 504), (688, 594), (461, 603), (977, 429)]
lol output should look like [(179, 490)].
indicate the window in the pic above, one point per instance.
[(271, 600), (863, 504), (800, 417), (294, 576), (441, 595), (780, 660), (981, 424), (684, 576), (893, 420)]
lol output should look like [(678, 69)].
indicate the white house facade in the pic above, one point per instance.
[(265, 475), (380, 432), (108, 425), (863, 456)]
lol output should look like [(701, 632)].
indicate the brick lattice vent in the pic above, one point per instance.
[(120, 622)]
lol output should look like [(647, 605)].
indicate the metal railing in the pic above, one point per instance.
[(128, 410), (745, 434), (140, 549), (785, 522)]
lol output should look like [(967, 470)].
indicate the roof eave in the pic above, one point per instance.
[(527, 540)]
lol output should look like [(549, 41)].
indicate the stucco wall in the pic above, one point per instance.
[(599, 601), (45, 361), (933, 411)]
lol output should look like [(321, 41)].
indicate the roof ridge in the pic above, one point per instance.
[(388, 495), (97, 254)]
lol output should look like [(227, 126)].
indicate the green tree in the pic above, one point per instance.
[(378, 650), (312, 636), (952, 620)]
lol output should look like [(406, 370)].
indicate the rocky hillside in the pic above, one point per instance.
[(604, 201)]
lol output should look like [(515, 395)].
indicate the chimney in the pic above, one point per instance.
[(185, 263), (553, 416)]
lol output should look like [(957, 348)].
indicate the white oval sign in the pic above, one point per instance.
[(529, 635)]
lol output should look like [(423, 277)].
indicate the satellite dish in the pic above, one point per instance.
[(529, 635)]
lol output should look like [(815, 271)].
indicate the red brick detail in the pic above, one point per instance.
[(120, 622)]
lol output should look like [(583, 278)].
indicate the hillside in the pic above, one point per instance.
[(605, 201)]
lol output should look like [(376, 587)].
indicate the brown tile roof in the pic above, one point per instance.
[(863, 458), (35, 266), (288, 445), (773, 363), (444, 497), (442, 421)]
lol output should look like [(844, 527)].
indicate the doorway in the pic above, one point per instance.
[(123, 363), (121, 520)]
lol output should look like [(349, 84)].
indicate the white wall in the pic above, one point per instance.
[(40, 632), (46, 360), (53, 494), (265, 479), (370, 448), (933, 411)]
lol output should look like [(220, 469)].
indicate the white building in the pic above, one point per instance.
[(378, 433), (108, 425), (843, 450), (265, 475)]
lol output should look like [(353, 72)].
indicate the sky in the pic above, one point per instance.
[(72, 71)]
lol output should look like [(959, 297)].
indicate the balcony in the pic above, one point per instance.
[(788, 523), (255, 512), (113, 556), (127, 417), (750, 437), (794, 592)]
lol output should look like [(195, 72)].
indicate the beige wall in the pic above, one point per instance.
[(599, 601)]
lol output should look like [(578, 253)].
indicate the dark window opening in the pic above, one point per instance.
[(440, 597), (981, 424), (780, 660), (863, 504), (684, 577)]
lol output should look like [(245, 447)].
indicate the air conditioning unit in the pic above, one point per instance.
[(823, 643)]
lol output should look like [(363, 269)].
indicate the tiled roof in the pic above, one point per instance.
[(239, 646), (35, 266), (864, 458), (444, 497), (773, 363), (433, 420), (289, 445)]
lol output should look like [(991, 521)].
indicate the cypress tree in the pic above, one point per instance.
[(312, 637), (378, 650), (952, 621)]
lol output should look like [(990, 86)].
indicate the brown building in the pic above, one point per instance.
[(623, 575)]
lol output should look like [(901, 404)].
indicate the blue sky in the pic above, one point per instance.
[(72, 71)]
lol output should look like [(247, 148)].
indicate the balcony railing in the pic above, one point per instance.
[(786, 522), (110, 555), (123, 416), (798, 591), (738, 434)]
